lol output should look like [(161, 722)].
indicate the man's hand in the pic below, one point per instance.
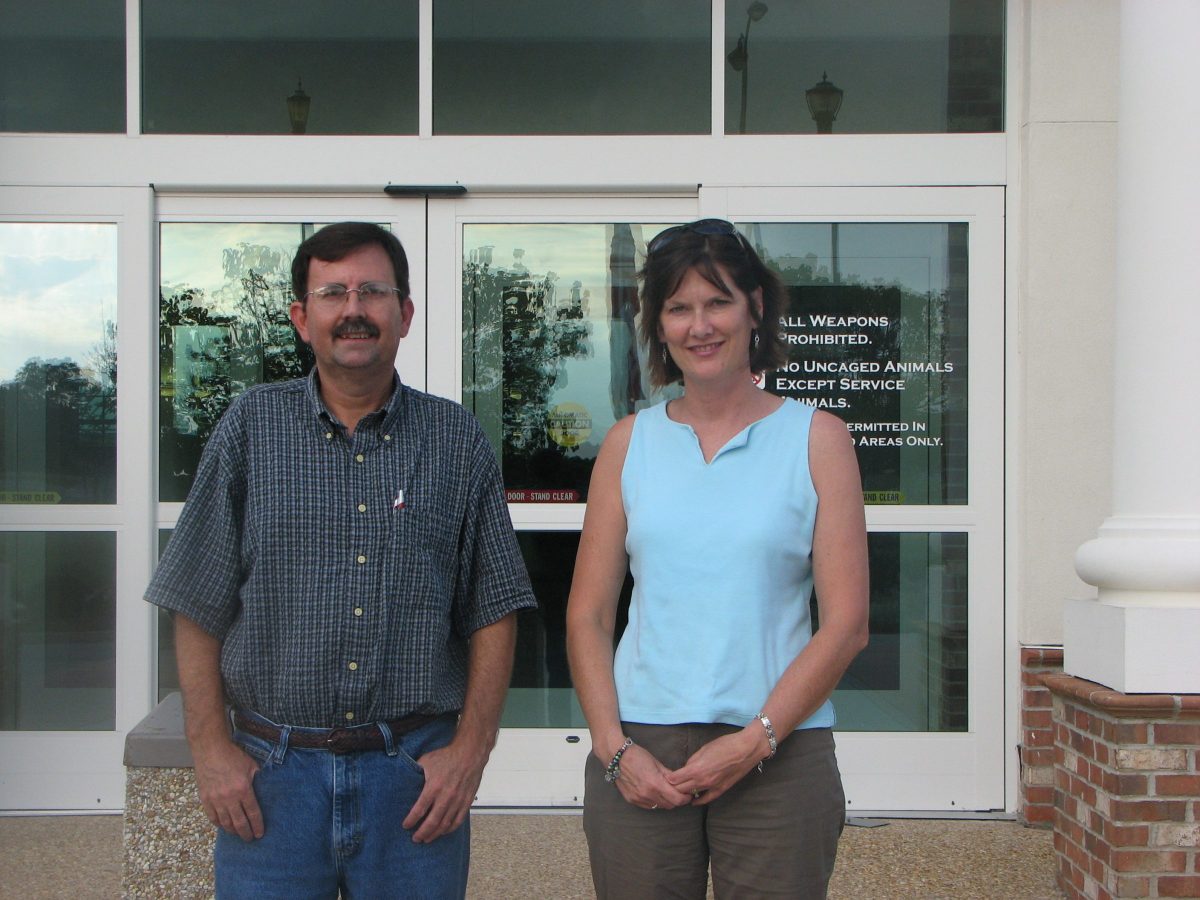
[(452, 776), (225, 779)]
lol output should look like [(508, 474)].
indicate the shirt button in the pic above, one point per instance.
[(359, 457), (329, 435), (361, 559), (387, 437), (353, 667), (349, 717), (362, 507), (358, 610)]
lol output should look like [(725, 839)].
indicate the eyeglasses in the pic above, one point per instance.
[(703, 226), (372, 292)]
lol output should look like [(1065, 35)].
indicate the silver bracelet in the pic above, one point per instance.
[(771, 741), (613, 771)]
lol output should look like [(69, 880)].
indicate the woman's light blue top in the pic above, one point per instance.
[(721, 555)]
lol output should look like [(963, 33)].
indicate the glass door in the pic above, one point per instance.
[(69, 277), (895, 298)]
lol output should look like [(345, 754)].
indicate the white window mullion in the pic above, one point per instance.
[(137, 413)]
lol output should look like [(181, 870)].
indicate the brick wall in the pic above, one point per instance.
[(1036, 800), (1127, 791)]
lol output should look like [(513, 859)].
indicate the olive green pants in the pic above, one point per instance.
[(773, 834)]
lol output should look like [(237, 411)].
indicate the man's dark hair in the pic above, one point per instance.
[(339, 240)]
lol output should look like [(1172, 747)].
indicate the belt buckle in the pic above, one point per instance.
[(341, 740)]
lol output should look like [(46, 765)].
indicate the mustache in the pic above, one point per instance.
[(356, 326)]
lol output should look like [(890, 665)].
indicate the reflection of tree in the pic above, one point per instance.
[(211, 348), (520, 357), (58, 427)]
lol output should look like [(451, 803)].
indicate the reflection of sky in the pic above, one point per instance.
[(191, 253), (58, 282), (904, 254)]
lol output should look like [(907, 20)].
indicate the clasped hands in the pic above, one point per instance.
[(708, 773)]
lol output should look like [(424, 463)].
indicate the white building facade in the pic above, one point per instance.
[(948, 245)]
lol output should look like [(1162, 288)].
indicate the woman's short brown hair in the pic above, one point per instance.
[(683, 248)]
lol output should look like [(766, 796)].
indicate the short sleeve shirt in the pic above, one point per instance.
[(343, 574)]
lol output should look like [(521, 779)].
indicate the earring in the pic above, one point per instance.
[(755, 333), (665, 355)]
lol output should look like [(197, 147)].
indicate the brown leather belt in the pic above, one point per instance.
[(336, 740)]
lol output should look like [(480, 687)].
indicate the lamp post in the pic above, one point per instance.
[(297, 105), (739, 56), (824, 100)]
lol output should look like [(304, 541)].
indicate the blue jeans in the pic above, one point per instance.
[(333, 823)]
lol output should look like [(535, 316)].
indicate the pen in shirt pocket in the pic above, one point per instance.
[(398, 503)]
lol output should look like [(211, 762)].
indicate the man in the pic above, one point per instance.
[(345, 577)]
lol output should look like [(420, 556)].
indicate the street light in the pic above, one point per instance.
[(739, 56), (824, 100), (297, 105)]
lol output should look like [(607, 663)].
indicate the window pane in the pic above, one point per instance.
[(550, 356), (224, 67), (168, 668), (58, 363), (62, 66), (924, 66), (540, 694), (223, 327), (877, 331), (57, 631), (913, 674), (572, 67), (911, 677)]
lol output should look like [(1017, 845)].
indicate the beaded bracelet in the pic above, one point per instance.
[(771, 742), (613, 772)]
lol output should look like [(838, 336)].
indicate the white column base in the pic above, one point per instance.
[(1133, 648)]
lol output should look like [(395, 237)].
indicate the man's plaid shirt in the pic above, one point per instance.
[(343, 575)]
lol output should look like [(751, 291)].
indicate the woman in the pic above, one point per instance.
[(710, 726)]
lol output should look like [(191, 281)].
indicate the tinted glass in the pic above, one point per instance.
[(911, 677), (62, 66), (550, 355), (913, 674), (57, 631), (572, 67), (228, 67), (58, 363), (918, 66), (168, 669), (876, 327), (223, 326)]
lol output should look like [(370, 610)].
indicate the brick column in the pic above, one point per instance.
[(1036, 800), (1126, 791)]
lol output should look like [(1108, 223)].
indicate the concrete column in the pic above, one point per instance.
[(1143, 636)]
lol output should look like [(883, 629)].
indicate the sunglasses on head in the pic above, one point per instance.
[(702, 226)]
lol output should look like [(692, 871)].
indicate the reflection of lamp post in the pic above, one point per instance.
[(297, 105), (824, 100), (739, 56)]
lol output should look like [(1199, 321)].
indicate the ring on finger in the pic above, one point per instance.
[(655, 806)]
